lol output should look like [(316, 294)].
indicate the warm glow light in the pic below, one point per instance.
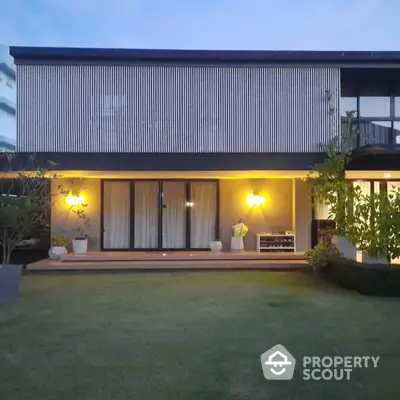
[(387, 176), (75, 200), (189, 204), (255, 200)]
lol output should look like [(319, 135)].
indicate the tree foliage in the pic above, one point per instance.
[(25, 202), (328, 181)]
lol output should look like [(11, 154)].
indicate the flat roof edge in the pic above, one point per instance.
[(219, 56)]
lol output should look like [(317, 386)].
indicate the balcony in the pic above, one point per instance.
[(378, 133), (7, 106)]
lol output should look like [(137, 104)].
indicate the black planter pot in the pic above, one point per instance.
[(10, 278)]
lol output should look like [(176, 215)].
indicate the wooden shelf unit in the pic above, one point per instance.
[(276, 243)]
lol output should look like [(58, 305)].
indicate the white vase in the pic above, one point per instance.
[(216, 246), (346, 249), (56, 252), (237, 244), (79, 246)]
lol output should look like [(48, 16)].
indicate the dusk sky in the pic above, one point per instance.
[(205, 24)]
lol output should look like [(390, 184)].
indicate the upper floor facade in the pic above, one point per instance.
[(139, 101)]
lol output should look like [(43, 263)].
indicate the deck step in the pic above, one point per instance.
[(273, 265), (107, 257)]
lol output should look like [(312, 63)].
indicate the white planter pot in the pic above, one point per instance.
[(237, 244), (56, 252), (79, 246), (216, 246), (365, 258), (346, 249)]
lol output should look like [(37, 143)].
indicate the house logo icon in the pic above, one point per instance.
[(278, 364)]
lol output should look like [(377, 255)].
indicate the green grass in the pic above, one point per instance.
[(189, 336)]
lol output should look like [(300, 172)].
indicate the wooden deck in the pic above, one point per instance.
[(109, 261)]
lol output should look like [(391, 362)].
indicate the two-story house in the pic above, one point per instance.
[(167, 148)]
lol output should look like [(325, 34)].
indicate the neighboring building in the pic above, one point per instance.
[(7, 100), (165, 146)]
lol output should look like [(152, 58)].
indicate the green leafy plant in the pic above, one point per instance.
[(59, 241), (376, 223), (80, 211), (321, 255), (328, 181), (25, 201)]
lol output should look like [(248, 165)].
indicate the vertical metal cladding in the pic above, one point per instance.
[(85, 108)]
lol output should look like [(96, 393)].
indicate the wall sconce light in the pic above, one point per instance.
[(255, 200), (74, 201), (189, 204)]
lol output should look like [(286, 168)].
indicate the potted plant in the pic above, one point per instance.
[(216, 246), (25, 204), (58, 247), (80, 243)]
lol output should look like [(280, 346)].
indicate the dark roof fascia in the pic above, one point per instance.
[(182, 162), (27, 55), (377, 159), (170, 161)]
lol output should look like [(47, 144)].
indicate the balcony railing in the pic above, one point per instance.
[(379, 133)]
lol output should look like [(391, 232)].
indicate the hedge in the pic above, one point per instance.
[(369, 279)]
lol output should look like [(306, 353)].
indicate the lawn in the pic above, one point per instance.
[(191, 336)]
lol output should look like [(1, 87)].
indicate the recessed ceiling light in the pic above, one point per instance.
[(387, 176)]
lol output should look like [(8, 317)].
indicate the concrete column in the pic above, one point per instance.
[(302, 214)]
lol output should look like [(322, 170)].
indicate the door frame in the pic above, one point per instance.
[(160, 213)]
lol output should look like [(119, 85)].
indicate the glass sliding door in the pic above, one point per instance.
[(203, 214), (174, 215), (159, 214), (146, 206), (116, 215)]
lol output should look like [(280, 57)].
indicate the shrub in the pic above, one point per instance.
[(368, 279), (321, 255), (59, 241)]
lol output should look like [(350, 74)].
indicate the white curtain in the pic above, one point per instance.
[(116, 215), (393, 186), (364, 186), (321, 211), (203, 195), (174, 215), (146, 215)]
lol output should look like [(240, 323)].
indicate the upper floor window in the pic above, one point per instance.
[(348, 104), (375, 106)]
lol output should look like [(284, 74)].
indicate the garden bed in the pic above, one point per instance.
[(369, 279)]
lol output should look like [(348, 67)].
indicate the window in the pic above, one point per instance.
[(396, 132), (107, 105), (397, 106), (348, 104), (375, 106)]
